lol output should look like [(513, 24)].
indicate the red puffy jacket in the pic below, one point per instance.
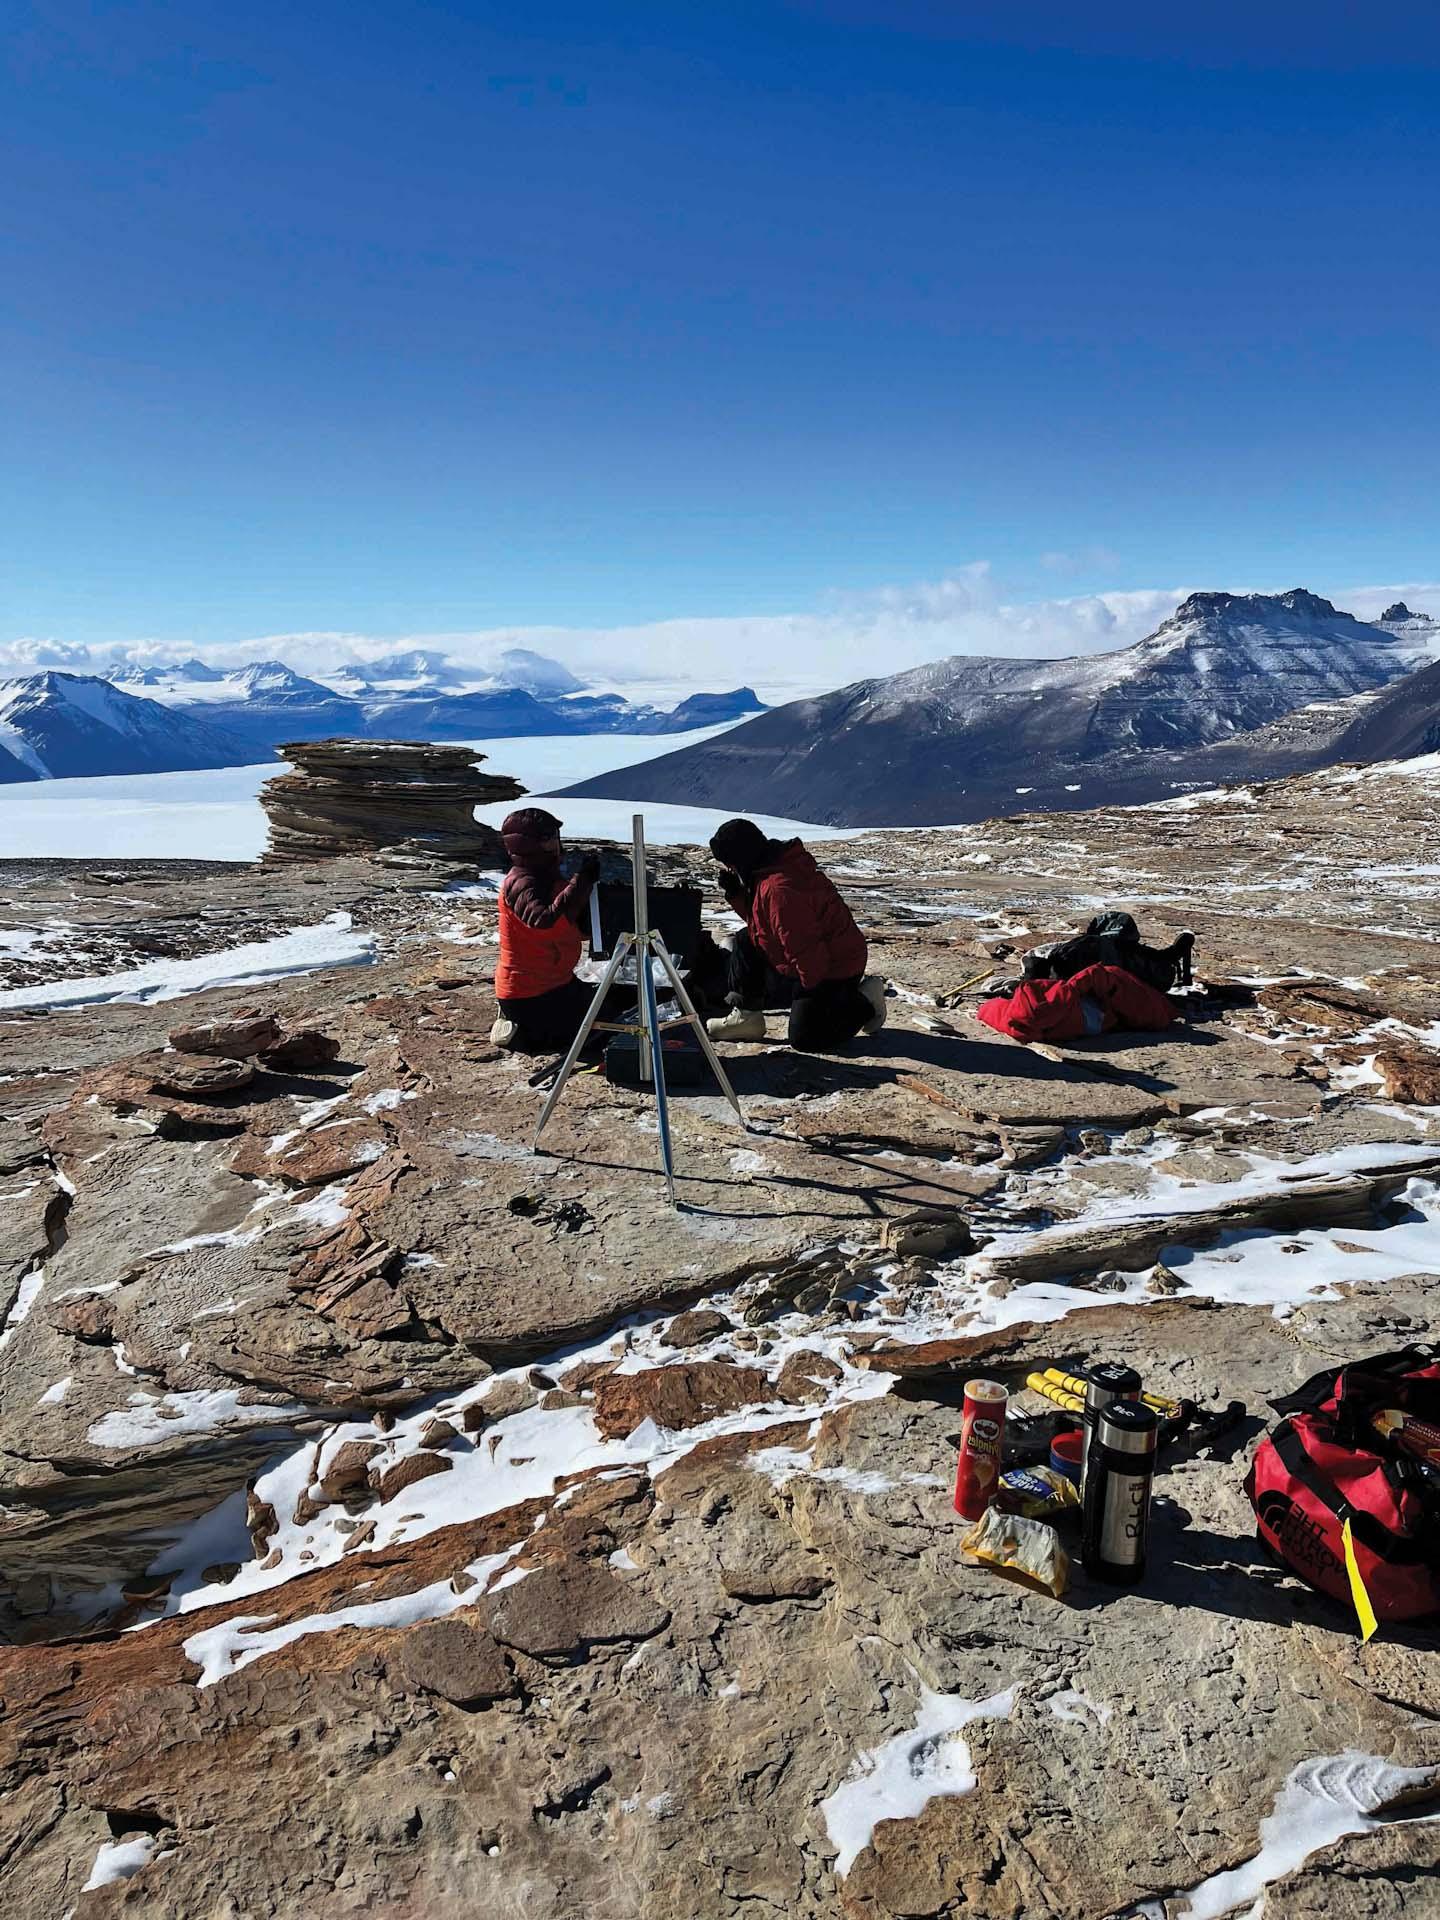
[(539, 935), (1055, 1009), (800, 923)]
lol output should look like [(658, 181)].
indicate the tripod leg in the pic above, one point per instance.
[(688, 1008), (657, 1058), (581, 1037)]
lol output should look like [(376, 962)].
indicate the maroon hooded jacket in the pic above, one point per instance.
[(539, 910), (800, 923)]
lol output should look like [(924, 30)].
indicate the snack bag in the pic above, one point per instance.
[(1024, 1549), (1040, 1493)]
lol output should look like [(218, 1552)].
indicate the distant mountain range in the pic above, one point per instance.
[(54, 724), (159, 719), (1231, 687)]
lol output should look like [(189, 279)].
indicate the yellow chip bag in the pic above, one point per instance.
[(1024, 1549)]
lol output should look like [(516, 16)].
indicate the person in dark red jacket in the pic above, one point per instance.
[(800, 947), (541, 1002)]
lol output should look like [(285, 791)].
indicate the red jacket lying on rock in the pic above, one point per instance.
[(1095, 1000)]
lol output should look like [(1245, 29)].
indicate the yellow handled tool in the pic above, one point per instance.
[(1074, 1383), (1041, 1383)]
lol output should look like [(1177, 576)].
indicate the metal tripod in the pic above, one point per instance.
[(644, 944)]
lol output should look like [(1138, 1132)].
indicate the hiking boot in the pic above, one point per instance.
[(504, 1033), (738, 1024), (873, 989)]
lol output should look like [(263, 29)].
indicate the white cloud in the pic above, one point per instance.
[(30, 655), (849, 637), (1368, 603)]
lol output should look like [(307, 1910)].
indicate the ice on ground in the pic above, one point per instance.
[(225, 1649), (332, 943), (1322, 1801), (1170, 1198), (780, 1465), (516, 1459), (216, 814), (385, 1100), (149, 1420), (52, 1396), (898, 1780), (1250, 1266), (214, 1539), (120, 1860), (25, 1298)]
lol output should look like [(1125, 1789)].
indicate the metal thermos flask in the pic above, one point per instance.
[(1105, 1382), (1115, 1519)]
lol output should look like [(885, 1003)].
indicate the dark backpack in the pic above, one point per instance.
[(1325, 1464), (1113, 940)]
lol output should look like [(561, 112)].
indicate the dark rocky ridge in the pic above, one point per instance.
[(961, 739)]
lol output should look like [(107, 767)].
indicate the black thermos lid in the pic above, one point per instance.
[(1128, 1426), (1117, 1379)]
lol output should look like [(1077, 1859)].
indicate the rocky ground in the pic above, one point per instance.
[(397, 1521)]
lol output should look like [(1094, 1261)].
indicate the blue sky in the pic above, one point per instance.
[(394, 319)]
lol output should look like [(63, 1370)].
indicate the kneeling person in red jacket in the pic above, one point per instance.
[(541, 1002), (800, 947)]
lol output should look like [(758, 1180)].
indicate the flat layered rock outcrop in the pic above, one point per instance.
[(353, 796)]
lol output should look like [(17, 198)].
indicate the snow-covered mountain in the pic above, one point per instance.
[(56, 725), (260, 704), (1419, 630), (963, 737), (423, 671), (214, 718), (418, 694), (181, 673)]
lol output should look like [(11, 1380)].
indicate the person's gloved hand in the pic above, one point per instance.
[(730, 882), (590, 868)]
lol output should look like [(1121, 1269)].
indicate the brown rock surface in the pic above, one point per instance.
[(246, 1033), (405, 1473), (561, 1613), (456, 1659), (1410, 1075), (633, 1681), (694, 1327), (807, 1377), (196, 1077), (677, 1396), (308, 1050)]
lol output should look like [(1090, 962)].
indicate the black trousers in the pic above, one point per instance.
[(822, 1018), (548, 1022)]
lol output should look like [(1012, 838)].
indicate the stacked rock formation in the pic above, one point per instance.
[(362, 796)]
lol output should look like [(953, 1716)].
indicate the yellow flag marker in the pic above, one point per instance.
[(1364, 1612)]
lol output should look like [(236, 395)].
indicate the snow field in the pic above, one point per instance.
[(216, 814), (331, 943)]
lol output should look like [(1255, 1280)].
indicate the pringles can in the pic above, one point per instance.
[(1119, 1469), (982, 1426), (1105, 1383)]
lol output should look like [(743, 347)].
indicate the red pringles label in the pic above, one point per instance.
[(982, 1427)]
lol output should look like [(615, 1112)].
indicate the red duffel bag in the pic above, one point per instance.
[(1326, 1463)]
